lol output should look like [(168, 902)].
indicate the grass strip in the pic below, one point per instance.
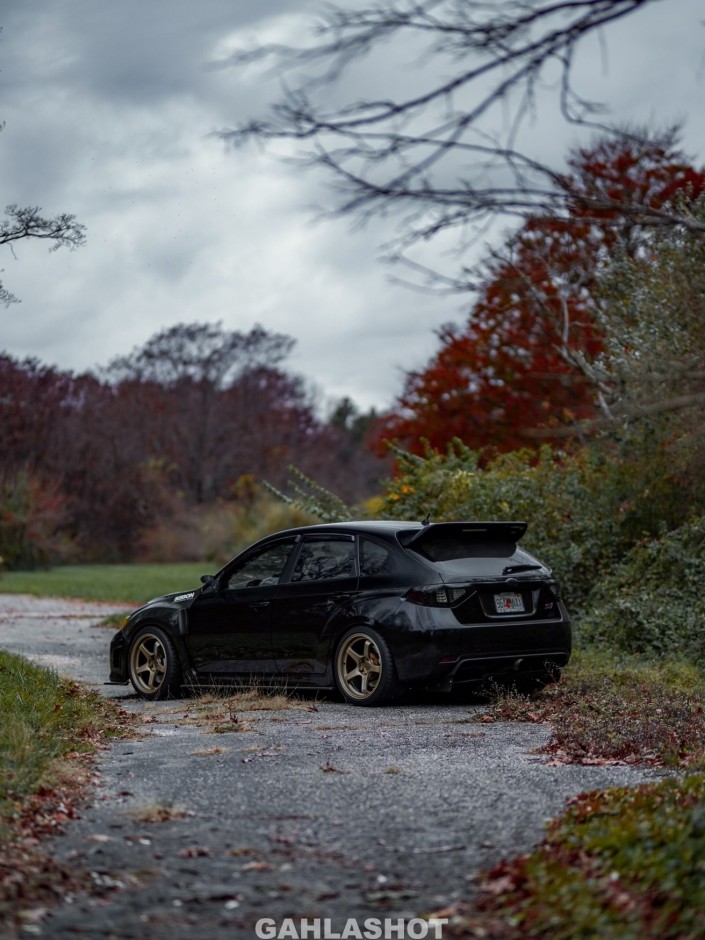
[(133, 584), (49, 729), (44, 719)]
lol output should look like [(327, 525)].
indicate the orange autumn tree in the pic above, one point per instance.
[(515, 364)]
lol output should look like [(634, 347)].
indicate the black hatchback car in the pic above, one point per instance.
[(366, 607)]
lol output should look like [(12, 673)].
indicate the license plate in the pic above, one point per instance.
[(509, 603)]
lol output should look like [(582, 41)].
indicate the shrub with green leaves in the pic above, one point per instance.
[(585, 509), (653, 604), (624, 863), (575, 521)]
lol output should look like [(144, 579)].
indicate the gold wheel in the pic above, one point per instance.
[(359, 667), (154, 669)]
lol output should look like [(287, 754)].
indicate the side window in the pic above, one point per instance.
[(325, 558), (261, 569), (375, 558)]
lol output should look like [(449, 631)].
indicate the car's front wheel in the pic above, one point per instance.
[(364, 668), (153, 665)]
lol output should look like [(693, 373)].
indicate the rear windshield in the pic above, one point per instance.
[(465, 552), (487, 560), (459, 546)]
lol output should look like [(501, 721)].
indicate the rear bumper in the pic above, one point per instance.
[(543, 666), (460, 653)]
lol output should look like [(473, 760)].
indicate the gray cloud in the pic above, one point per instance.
[(109, 110)]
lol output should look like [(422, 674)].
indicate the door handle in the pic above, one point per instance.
[(261, 605)]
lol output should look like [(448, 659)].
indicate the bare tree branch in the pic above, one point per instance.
[(433, 154), (60, 231)]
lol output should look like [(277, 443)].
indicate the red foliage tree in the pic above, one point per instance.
[(512, 366)]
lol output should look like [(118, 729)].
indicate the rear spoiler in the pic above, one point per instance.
[(490, 531)]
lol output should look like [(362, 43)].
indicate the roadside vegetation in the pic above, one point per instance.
[(611, 708), (46, 720), (50, 728), (625, 862)]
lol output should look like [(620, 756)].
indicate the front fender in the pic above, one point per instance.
[(171, 618)]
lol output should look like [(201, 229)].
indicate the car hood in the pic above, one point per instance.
[(179, 599)]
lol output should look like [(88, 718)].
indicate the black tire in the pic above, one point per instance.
[(363, 668), (153, 665)]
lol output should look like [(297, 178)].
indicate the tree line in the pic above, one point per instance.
[(197, 416)]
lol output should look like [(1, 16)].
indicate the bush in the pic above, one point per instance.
[(621, 863), (652, 604), (31, 517), (574, 517), (585, 510), (229, 527)]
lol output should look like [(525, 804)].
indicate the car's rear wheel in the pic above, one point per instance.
[(364, 668), (153, 664)]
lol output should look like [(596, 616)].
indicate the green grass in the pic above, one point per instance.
[(132, 584), (624, 863), (44, 717)]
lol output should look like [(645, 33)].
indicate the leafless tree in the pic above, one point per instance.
[(60, 231), (432, 149)]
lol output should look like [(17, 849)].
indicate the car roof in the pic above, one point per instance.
[(392, 527), (371, 526)]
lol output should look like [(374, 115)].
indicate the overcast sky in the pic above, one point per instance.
[(109, 108)]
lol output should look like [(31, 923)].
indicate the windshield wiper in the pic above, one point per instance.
[(513, 569)]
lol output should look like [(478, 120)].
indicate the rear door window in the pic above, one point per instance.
[(375, 558)]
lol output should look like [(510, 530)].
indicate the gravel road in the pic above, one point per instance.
[(325, 810)]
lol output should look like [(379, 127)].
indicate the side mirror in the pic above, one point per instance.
[(209, 582)]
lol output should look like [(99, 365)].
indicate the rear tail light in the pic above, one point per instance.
[(436, 596), (555, 589)]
